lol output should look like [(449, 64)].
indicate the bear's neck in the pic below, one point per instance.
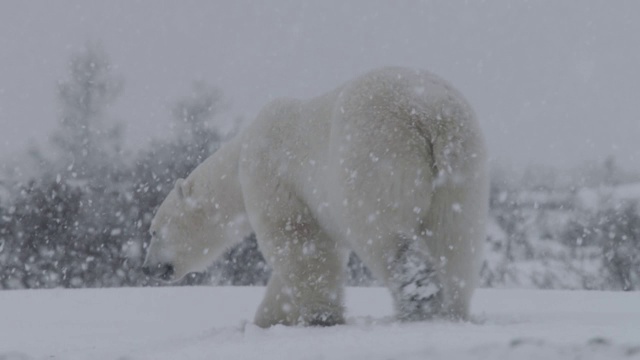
[(216, 184)]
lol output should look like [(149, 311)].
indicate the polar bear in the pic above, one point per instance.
[(391, 165)]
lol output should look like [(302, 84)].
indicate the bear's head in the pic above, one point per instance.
[(181, 236)]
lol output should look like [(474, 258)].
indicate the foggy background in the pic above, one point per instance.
[(552, 82), (103, 105)]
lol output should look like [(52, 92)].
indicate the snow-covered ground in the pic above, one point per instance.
[(213, 323)]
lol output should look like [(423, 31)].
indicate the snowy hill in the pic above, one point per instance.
[(212, 323)]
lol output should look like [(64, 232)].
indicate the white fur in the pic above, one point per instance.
[(390, 165)]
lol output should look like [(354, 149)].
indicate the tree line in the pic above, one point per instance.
[(81, 218)]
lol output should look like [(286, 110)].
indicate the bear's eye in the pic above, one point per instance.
[(153, 233)]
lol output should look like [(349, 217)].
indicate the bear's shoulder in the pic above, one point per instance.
[(280, 108)]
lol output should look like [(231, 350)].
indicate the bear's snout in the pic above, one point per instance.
[(162, 271)]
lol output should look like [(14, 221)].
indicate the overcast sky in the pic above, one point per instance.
[(553, 82)]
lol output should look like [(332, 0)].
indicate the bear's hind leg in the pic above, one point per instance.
[(414, 283), (405, 266)]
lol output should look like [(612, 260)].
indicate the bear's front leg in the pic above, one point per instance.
[(277, 307), (313, 301), (307, 282)]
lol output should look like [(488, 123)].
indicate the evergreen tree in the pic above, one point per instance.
[(87, 144), (65, 222)]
